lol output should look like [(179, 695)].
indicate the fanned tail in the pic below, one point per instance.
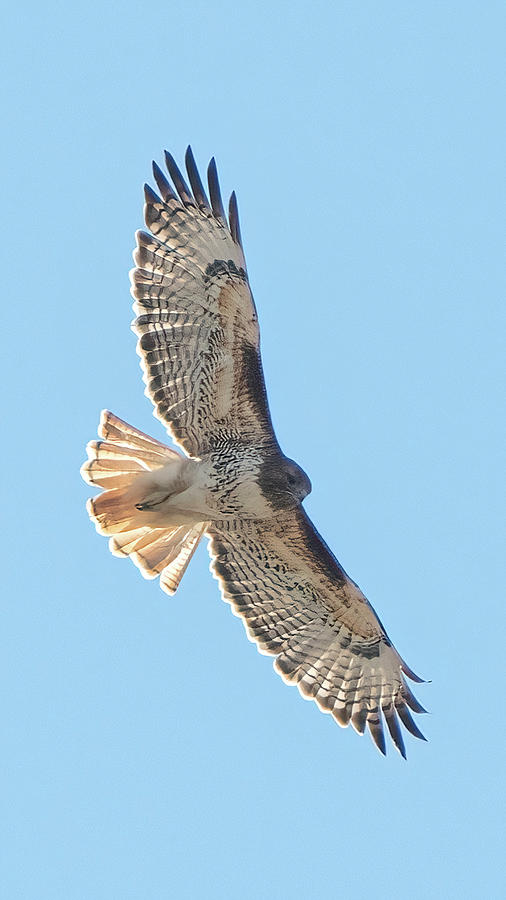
[(115, 464), (163, 552)]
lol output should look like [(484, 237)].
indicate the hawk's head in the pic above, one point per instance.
[(283, 482)]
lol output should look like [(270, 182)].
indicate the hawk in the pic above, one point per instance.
[(199, 346)]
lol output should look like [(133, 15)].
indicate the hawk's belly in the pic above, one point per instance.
[(226, 486), (214, 488)]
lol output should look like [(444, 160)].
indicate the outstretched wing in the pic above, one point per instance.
[(196, 320), (298, 604)]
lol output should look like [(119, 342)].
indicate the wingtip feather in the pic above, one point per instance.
[(214, 191), (233, 217), (408, 722), (377, 734), (394, 729), (195, 181), (150, 195), (412, 675), (178, 180), (163, 185)]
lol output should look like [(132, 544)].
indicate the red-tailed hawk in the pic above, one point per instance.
[(200, 351)]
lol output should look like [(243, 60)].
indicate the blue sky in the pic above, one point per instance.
[(148, 750)]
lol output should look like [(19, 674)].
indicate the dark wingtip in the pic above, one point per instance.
[(411, 700), (214, 191), (150, 195), (195, 180), (178, 180), (395, 731), (170, 162), (358, 720), (407, 720), (377, 734), (411, 675), (233, 217), (163, 185)]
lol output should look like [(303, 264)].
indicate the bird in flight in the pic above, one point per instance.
[(199, 346)]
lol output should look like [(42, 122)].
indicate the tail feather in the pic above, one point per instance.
[(110, 473), (152, 557), (114, 429), (134, 457), (173, 573), (160, 551), (115, 463), (113, 511), (127, 542)]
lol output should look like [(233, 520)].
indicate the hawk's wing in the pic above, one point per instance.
[(196, 319), (298, 604)]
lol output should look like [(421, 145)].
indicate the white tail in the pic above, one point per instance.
[(115, 463)]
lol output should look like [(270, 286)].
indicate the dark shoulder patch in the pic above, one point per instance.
[(321, 551), (253, 383)]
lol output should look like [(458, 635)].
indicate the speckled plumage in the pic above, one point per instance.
[(200, 351)]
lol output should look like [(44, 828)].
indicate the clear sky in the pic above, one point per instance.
[(148, 751)]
